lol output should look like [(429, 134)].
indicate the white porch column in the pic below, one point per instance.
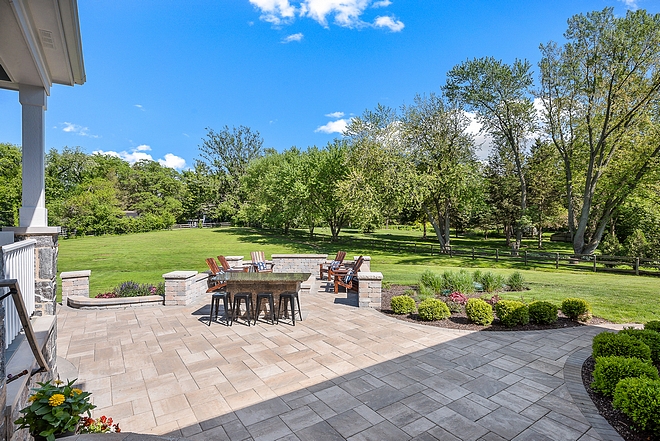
[(33, 213)]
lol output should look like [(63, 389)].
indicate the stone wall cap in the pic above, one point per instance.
[(234, 257), (81, 302), (370, 275), (363, 257), (298, 256), (180, 274), (75, 274)]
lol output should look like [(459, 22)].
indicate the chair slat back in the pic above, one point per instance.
[(340, 256), (358, 264), (213, 266), (224, 263)]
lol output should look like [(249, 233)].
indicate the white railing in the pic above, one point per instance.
[(18, 263)]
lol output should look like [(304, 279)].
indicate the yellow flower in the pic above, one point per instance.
[(56, 400), (32, 398), (58, 382), (76, 391)]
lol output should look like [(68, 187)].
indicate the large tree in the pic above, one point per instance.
[(500, 96), (442, 154), (600, 94), (10, 184)]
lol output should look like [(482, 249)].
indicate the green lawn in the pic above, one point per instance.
[(145, 257)]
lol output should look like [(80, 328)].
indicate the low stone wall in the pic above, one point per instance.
[(182, 287), (298, 263), (75, 283), (370, 289), (80, 302)]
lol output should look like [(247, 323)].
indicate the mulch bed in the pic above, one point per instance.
[(620, 422)]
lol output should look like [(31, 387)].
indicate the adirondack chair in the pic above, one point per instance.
[(216, 285), (259, 263), (347, 278), (229, 269), (325, 268)]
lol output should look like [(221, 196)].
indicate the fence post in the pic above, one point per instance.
[(525, 257), (556, 260), (450, 251), (431, 249), (472, 253), (415, 248), (637, 266), (497, 255), (594, 263)]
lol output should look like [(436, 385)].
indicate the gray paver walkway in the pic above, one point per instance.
[(342, 373)]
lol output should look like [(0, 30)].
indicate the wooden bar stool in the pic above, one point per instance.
[(285, 297)]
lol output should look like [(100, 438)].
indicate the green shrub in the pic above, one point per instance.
[(651, 338), (610, 370), (492, 282), (433, 309), (454, 307), (479, 311), (639, 398), (477, 276), (410, 292), (431, 281), (574, 308), (607, 344), (542, 312), (402, 304), (653, 325), (512, 312), (460, 281), (516, 281), (425, 292)]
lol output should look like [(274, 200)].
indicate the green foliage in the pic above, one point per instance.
[(653, 325), (651, 338), (490, 281), (639, 398), (575, 308), (460, 281), (133, 289), (608, 344), (608, 371), (454, 307), (512, 312), (402, 304), (433, 309), (10, 184), (479, 311), (542, 312), (432, 281), (516, 281), (425, 292), (54, 409)]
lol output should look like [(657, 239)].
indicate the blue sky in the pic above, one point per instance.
[(159, 72)]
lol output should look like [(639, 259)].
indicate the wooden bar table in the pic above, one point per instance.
[(255, 283)]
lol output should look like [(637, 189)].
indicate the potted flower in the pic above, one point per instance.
[(54, 408), (102, 424)]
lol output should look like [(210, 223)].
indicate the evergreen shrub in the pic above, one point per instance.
[(608, 371), (433, 309), (479, 311), (607, 344), (542, 312), (639, 398), (512, 312), (402, 304), (575, 308)]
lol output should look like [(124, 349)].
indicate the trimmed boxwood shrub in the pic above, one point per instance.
[(639, 398), (479, 311), (608, 371), (542, 312), (402, 304), (573, 308), (651, 338), (607, 344), (433, 309), (512, 312), (653, 325), (516, 281)]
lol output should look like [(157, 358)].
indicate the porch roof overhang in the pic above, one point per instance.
[(40, 44)]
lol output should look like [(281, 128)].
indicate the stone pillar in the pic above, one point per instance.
[(234, 261), (182, 287), (75, 283), (33, 213), (370, 289)]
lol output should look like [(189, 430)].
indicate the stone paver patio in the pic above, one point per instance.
[(342, 373)]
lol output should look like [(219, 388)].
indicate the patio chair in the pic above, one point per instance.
[(231, 269), (331, 266), (346, 278), (215, 283), (259, 262)]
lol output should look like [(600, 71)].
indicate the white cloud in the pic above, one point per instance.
[(483, 141), (78, 130), (390, 23), (293, 37), (275, 11), (333, 126), (172, 161), (139, 106), (143, 148), (335, 115), (631, 4), (346, 13)]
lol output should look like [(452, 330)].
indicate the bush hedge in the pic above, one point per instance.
[(479, 311), (402, 305), (653, 325), (607, 344), (639, 398), (542, 312), (574, 308), (608, 371), (512, 312), (651, 338), (433, 309)]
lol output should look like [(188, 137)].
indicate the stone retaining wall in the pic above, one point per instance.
[(298, 263), (369, 289), (75, 283), (182, 287)]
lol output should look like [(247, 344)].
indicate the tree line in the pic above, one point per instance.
[(576, 150)]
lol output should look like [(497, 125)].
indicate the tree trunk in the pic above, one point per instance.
[(436, 227), (540, 237)]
